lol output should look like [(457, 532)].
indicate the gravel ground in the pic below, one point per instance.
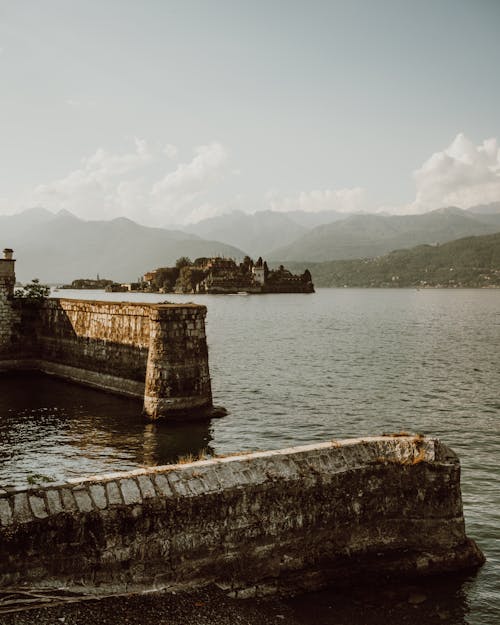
[(209, 606)]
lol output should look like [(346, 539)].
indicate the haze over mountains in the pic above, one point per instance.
[(61, 247), (260, 232), (362, 236)]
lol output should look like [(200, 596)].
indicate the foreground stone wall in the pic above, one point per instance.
[(278, 521)]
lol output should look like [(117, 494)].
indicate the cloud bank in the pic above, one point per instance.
[(341, 200), (462, 175), (109, 185), (156, 187)]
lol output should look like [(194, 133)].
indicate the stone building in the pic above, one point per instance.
[(219, 276)]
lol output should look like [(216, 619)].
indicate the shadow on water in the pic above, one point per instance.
[(55, 429)]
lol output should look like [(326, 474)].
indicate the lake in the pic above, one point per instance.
[(296, 369)]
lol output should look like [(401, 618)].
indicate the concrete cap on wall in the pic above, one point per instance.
[(7, 253)]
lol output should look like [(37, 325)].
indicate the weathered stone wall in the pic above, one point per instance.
[(177, 361), (104, 344), (120, 347), (280, 521)]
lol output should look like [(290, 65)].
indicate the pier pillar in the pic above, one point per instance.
[(7, 283), (177, 374)]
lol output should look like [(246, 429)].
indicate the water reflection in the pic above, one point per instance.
[(57, 429)]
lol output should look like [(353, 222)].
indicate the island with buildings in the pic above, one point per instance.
[(102, 284), (220, 275)]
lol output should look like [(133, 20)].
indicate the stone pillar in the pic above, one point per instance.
[(7, 282), (7, 274), (177, 375)]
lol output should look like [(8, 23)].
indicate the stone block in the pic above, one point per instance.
[(98, 495), (37, 503), (130, 491), (68, 500), (22, 511), (163, 485), (5, 512), (146, 487), (114, 494), (83, 499), (54, 501)]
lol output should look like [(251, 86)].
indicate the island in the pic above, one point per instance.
[(102, 284), (220, 275)]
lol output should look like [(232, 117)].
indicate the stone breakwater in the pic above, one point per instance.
[(278, 521), (155, 352)]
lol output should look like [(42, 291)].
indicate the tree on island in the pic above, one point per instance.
[(183, 261), (189, 277)]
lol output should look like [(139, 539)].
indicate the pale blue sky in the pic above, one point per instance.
[(287, 97)]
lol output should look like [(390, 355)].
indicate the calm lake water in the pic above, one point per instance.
[(295, 369)]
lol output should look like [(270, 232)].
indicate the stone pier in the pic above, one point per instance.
[(154, 352), (279, 521)]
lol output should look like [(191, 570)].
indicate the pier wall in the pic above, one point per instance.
[(157, 352), (278, 521), (98, 344)]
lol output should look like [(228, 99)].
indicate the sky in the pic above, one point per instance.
[(171, 111)]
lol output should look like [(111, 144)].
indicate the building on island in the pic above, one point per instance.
[(219, 275)]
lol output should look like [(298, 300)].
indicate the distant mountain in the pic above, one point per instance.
[(62, 247), (467, 262), (312, 219), (485, 209), (255, 233), (369, 235)]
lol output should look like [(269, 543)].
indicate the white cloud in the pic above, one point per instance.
[(170, 151), (176, 192), (462, 175), (92, 191), (145, 185), (108, 185), (340, 200)]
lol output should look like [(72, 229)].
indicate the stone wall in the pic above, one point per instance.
[(156, 352), (277, 521), (102, 344)]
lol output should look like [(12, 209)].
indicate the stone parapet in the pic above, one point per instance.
[(278, 521)]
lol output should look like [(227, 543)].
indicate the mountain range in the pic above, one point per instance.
[(263, 231), (61, 247), (468, 262), (369, 235)]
